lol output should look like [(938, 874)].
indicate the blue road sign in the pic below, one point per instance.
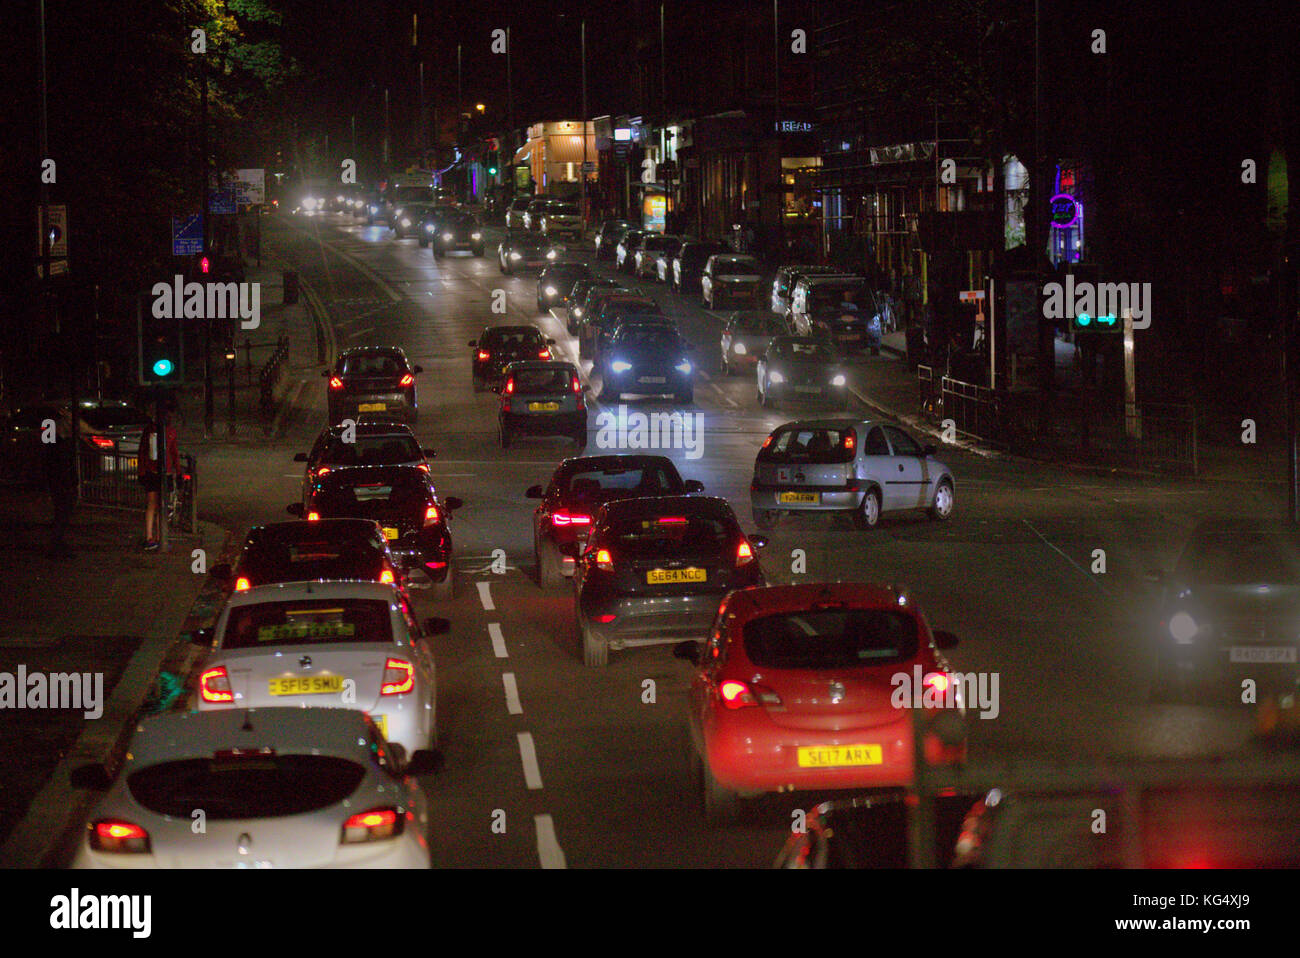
[(187, 235), (222, 200)]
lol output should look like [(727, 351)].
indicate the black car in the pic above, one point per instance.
[(607, 236), (591, 307), (600, 325), (397, 198), (457, 231), (688, 265), (499, 346), (557, 281), (628, 243), (578, 488), (403, 501), (1228, 612), (648, 359), (801, 368), (369, 443), (540, 398), (654, 570), (430, 224), (522, 250), (407, 217), (307, 551), (578, 297), (375, 382)]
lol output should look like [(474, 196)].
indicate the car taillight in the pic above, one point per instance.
[(510, 385), (386, 577), (563, 517), (544, 354), (214, 685), (399, 677), (336, 383), (606, 618), (767, 442), (373, 825), (604, 561), (423, 467), (242, 584), (119, 837), (939, 681), (313, 516), (322, 471), (850, 440), (672, 521), (435, 565), (744, 554), (407, 380), (103, 442), (577, 386), (484, 355), (736, 695), (431, 515)]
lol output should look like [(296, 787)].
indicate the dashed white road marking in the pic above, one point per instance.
[(485, 595), (528, 753), (513, 705), (548, 847), (498, 641)]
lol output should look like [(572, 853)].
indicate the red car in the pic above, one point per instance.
[(796, 688)]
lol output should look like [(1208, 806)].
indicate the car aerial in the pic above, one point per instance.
[(406, 506), (302, 551), (653, 571), (1226, 612), (607, 236), (542, 399), (646, 254), (591, 308), (625, 251), (648, 359), (521, 250), (457, 231), (730, 278), (533, 214), (577, 489), (744, 339), (324, 645), (859, 469), (784, 282), (795, 688), (578, 299), (601, 323), (800, 368), (561, 218), (278, 788), (499, 346), (557, 281), (663, 262), (813, 296), (516, 210), (372, 381), (368, 443), (688, 264), (407, 216)]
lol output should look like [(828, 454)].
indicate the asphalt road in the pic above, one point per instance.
[(587, 766)]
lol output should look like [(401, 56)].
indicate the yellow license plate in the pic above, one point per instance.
[(810, 497), (543, 407), (372, 407), (382, 722), (672, 576), (307, 685), (839, 756), (390, 533)]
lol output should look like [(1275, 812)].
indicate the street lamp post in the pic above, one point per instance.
[(583, 174)]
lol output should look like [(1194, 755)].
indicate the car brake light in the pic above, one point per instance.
[(373, 825), (103, 442), (563, 517), (850, 440), (114, 835), (423, 467), (577, 386), (431, 515), (744, 554), (435, 565), (604, 561), (407, 380), (336, 383), (313, 516), (322, 471), (484, 355), (606, 618), (510, 384), (767, 442), (672, 521), (544, 354), (736, 695), (399, 677), (242, 584), (939, 681), (386, 577), (214, 685)]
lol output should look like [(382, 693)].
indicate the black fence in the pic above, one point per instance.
[(270, 375), (112, 479)]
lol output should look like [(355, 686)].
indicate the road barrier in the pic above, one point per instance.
[(270, 375), (113, 480)]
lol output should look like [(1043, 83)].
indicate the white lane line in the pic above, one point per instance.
[(1086, 574), (513, 705), (548, 847), (485, 595), (532, 774), (498, 641), (723, 396)]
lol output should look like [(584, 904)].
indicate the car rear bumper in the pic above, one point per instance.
[(650, 620), (1210, 663), (837, 499), (395, 407), (545, 423)]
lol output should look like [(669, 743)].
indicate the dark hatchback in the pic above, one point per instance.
[(557, 281), (403, 501), (522, 250), (591, 309), (370, 443), (613, 312), (457, 231), (542, 398), (307, 551), (578, 488), (688, 265), (376, 382), (499, 346), (654, 571), (578, 298), (648, 359)]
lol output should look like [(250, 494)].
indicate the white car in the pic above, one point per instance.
[(729, 278), (328, 645), (272, 788), (515, 212)]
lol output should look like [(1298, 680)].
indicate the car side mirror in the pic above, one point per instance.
[(417, 369), (533, 492), (301, 457), (944, 639), (295, 509), (759, 542), (473, 344), (93, 777), (425, 761), (221, 571), (689, 650), (496, 388), (436, 626), (452, 503), (325, 374), (693, 485)]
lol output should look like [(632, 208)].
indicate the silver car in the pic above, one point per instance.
[(859, 468)]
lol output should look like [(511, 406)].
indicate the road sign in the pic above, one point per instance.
[(187, 235), (250, 187), (56, 226), (970, 295), (222, 200)]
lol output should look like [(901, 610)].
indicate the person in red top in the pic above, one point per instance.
[(152, 466)]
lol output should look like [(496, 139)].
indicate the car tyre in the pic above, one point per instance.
[(444, 590), (424, 244), (549, 576), (721, 805), (595, 653), (764, 400), (867, 515), (944, 502)]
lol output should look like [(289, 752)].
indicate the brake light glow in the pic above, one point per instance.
[(214, 686), (563, 517), (604, 561), (544, 354), (242, 584), (672, 521), (313, 516), (484, 355), (577, 386), (407, 380), (423, 467), (373, 825), (736, 695), (850, 440), (322, 471), (744, 554), (386, 577), (767, 442), (336, 383), (938, 681), (103, 442), (435, 565), (510, 385), (113, 835), (431, 515), (399, 677), (607, 618)]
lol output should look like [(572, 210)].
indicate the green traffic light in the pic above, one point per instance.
[(163, 367), (492, 171), (1083, 319), (1108, 320)]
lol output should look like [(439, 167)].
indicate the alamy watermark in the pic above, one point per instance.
[(53, 690), (946, 690), (656, 430), (179, 299), (1070, 299)]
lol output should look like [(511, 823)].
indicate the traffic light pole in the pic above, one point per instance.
[(208, 397)]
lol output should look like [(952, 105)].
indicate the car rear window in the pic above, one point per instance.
[(733, 265), (245, 785), (809, 444), (554, 380), (654, 479), (831, 296), (113, 417), (648, 336), (373, 451), (562, 209), (401, 489), (372, 364), (830, 639), (654, 536), (325, 621), (513, 339)]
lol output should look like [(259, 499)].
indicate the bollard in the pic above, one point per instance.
[(290, 287)]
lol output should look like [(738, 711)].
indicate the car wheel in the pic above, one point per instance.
[(867, 515), (725, 367), (595, 653), (944, 501), (444, 590), (766, 519), (721, 805), (764, 400), (549, 575)]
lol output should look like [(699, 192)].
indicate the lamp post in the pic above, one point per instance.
[(583, 174)]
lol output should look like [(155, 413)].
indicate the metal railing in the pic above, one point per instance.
[(113, 480), (1165, 436), (972, 408), (271, 373)]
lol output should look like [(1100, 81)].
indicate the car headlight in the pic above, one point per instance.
[(428, 227), (552, 254), (516, 255), (620, 366), (838, 380), (475, 236), (446, 236), (338, 199), (740, 349), (684, 367), (374, 209), (550, 291), (1183, 628), (775, 377), (309, 203), (406, 224), (577, 312)]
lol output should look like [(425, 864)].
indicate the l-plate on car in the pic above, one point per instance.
[(372, 381)]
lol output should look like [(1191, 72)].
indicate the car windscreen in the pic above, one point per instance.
[(373, 451), (562, 209), (654, 242), (796, 444), (830, 639), (373, 364), (266, 625), (235, 785), (543, 380), (828, 297), (734, 266), (758, 324), (1225, 558), (413, 194), (654, 337), (521, 203), (653, 479), (800, 352), (666, 536)]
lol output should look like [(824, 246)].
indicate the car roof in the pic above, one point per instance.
[(523, 327), (714, 506), (305, 591), (179, 735), (832, 279), (828, 424), (615, 462), (790, 598), (295, 531), (377, 350)]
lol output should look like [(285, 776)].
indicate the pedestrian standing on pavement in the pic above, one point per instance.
[(59, 459), (156, 460)]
